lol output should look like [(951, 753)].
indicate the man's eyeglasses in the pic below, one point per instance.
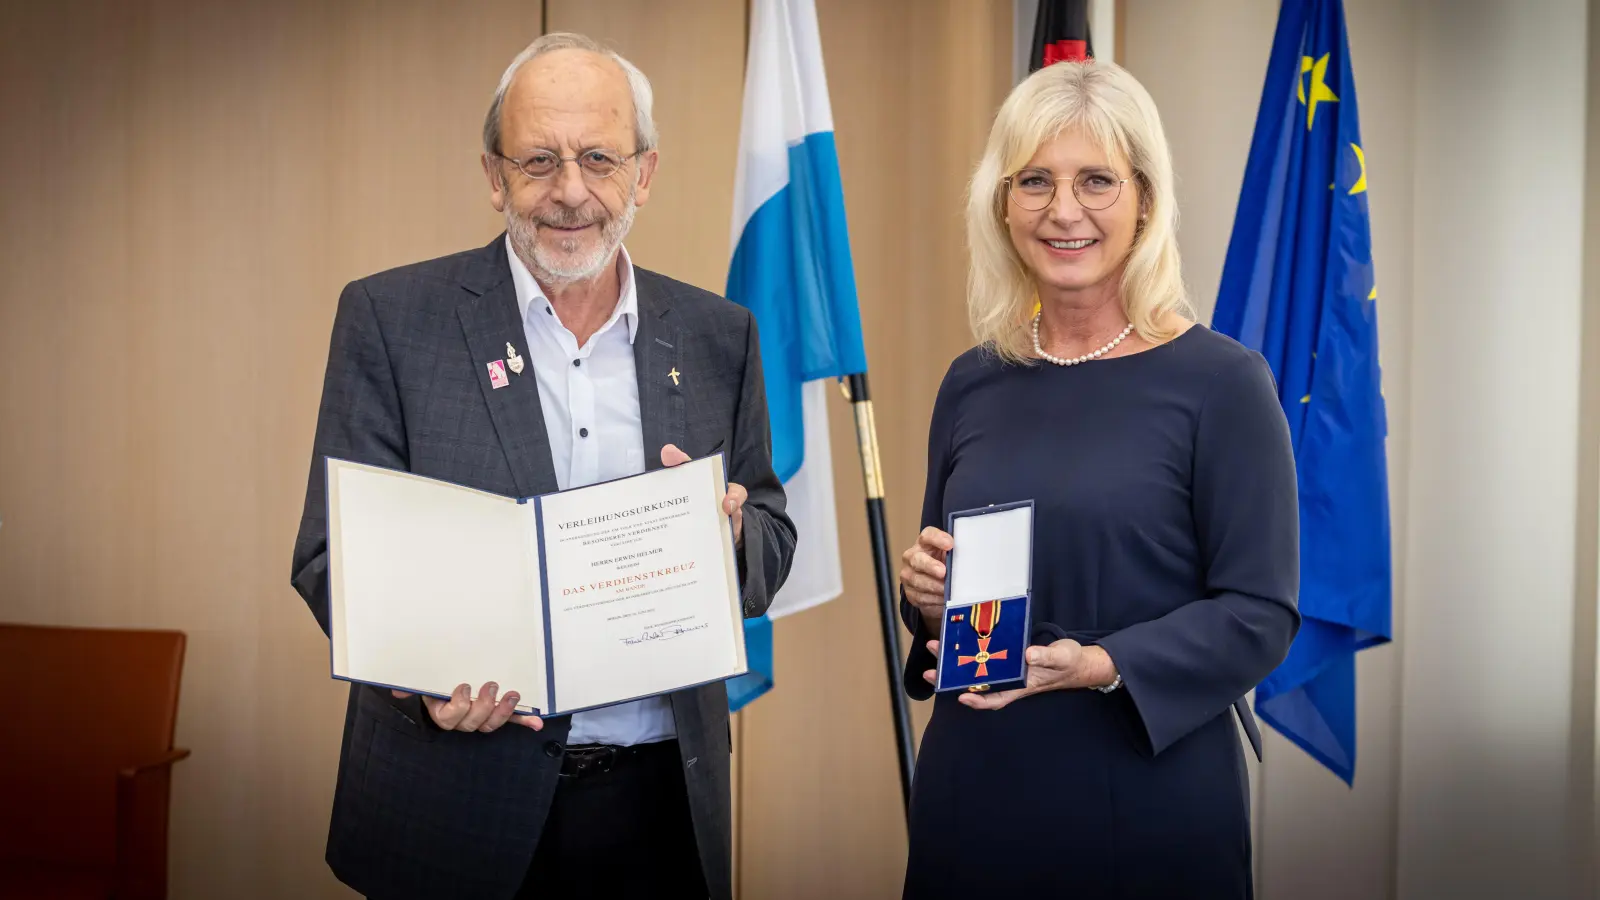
[(1035, 189), (596, 163)]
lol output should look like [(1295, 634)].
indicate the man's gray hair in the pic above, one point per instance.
[(644, 125)]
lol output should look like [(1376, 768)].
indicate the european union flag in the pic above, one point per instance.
[(1298, 286)]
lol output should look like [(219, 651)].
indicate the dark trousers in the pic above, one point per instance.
[(619, 827)]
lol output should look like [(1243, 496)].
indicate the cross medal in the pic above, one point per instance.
[(984, 617)]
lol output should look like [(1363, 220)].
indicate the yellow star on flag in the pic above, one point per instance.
[(1361, 183), (1320, 92)]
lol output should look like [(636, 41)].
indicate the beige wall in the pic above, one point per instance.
[(1588, 574), (1493, 547), (1477, 727), (188, 185)]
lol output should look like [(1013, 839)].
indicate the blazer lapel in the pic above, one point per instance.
[(657, 358), (490, 320)]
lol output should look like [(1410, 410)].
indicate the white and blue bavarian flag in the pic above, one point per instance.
[(791, 268)]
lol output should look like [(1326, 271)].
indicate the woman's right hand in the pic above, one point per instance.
[(922, 576)]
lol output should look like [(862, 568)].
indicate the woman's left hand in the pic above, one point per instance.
[(1063, 665)]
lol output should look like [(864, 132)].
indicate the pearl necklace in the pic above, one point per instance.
[(1077, 359)]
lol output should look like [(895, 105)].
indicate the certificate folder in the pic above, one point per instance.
[(983, 634), (574, 600)]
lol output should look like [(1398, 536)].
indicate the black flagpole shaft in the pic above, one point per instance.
[(888, 616)]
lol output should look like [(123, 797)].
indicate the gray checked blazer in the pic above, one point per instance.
[(421, 812)]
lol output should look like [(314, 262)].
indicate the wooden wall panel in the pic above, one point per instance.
[(820, 787), (188, 186), (693, 53), (914, 86)]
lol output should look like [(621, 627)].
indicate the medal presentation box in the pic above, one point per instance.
[(988, 588)]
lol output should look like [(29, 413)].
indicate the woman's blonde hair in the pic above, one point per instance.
[(1111, 108)]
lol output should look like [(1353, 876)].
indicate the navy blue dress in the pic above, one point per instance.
[(1165, 531)]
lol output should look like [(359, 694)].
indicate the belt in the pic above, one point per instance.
[(594, 759)]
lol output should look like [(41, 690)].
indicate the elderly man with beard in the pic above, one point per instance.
[(544, 361)]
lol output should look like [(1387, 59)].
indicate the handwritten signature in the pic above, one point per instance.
[(664, 634)]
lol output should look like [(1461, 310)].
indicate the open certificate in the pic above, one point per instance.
[(578, 599)]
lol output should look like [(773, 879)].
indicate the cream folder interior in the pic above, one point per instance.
[(419, 625), (993, 558)]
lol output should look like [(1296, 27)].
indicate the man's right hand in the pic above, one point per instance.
[(463, 712)]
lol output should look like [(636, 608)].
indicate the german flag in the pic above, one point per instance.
[(1060, 32)]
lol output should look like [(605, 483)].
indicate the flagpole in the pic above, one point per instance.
[(855, 390)]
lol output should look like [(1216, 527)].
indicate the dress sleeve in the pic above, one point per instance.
[(1188, 666), (940, 431)]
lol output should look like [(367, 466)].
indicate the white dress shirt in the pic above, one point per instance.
[(590, 398)]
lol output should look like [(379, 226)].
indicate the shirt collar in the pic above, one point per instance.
[(530, 295)]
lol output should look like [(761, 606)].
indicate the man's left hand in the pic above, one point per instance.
[(732, 502)]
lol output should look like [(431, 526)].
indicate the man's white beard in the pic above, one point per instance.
[(561, 269)]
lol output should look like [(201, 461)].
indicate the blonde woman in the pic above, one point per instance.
[(1166, 543)]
